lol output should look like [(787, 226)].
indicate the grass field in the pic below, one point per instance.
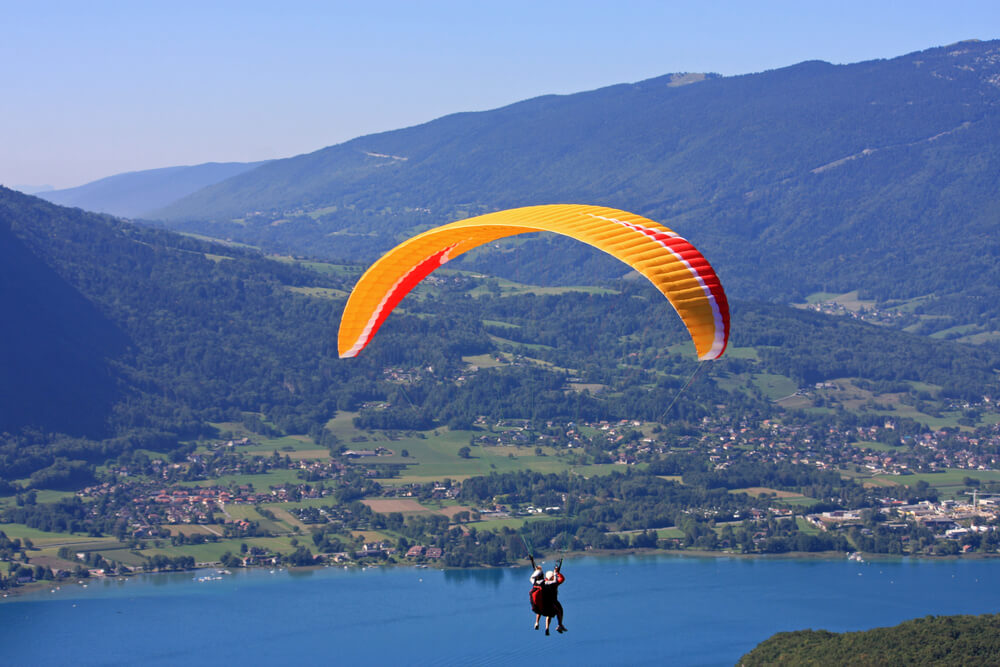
[(401, 505), (305, 454), (41, 538), (498, 323), (484, 361), (288, 443), (191, 529), (299, 504), (42, 496), (947, 420), (242, 512), (820, 297), (513, 343), (960, 330), (669, 533), (283, 516), (123, 555), (259, 482), (854, 398), (948, 482), (511, 288), (437, 458), (342, 425), (319, 292), (322, 267), (774, 386), (212, 551), (593, 388), (806, 527), (513, 523), (371, 535), (433, 454)]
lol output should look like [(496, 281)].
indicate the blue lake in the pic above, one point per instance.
[(619, 610)]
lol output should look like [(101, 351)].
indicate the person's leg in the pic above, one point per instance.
[(548, 619), (559, 615), (537, 618)]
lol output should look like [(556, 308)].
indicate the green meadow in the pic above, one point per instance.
[(259, 482), (950, 482)]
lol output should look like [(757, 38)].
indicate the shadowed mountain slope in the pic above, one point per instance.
[(57, 347)]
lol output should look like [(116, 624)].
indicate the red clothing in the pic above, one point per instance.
[(536, 599), (548, 597)]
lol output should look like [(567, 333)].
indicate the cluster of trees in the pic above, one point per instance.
[(68, 515), (933, 640), (161, 563)]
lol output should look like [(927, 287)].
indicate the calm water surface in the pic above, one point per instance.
[(620, 611)]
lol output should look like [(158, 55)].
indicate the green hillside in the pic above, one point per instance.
[(939, 641), (156, 337)]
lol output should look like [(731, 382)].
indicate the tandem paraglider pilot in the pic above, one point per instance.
[(545, 596)]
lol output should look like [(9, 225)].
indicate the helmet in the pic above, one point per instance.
[(550, 576)]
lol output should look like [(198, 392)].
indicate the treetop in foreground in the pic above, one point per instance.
[(933, 640)]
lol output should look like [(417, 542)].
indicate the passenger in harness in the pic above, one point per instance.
[(545, 596), (537, 577)]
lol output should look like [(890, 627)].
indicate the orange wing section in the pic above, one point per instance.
[(670, 262)]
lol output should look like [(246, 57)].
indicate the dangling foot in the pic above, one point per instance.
[(561, 629), (536, 625), (546, 632)]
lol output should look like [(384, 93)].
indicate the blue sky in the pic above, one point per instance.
[(92, 89)]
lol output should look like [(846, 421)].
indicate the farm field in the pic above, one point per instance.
[(41, 496), (484, 361), (289, 444), (511, 288), (401, 505), (513, 523), (949, 482), (434, 456), (284, 521), (41, 537), (260, 482), (211, 552), (669, 533), (806, 527)]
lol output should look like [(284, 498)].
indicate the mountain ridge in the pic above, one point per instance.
[(136, 193), (809, 178)]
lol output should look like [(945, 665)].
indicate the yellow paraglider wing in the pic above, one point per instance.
[(670, 262)]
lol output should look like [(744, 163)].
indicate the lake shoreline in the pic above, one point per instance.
[(696, 611), (35, 588)]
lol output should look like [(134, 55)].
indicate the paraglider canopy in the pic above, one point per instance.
[(670, 262)]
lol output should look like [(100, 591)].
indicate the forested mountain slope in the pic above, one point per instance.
[(878, 176), (137, 193), (141, 338)]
